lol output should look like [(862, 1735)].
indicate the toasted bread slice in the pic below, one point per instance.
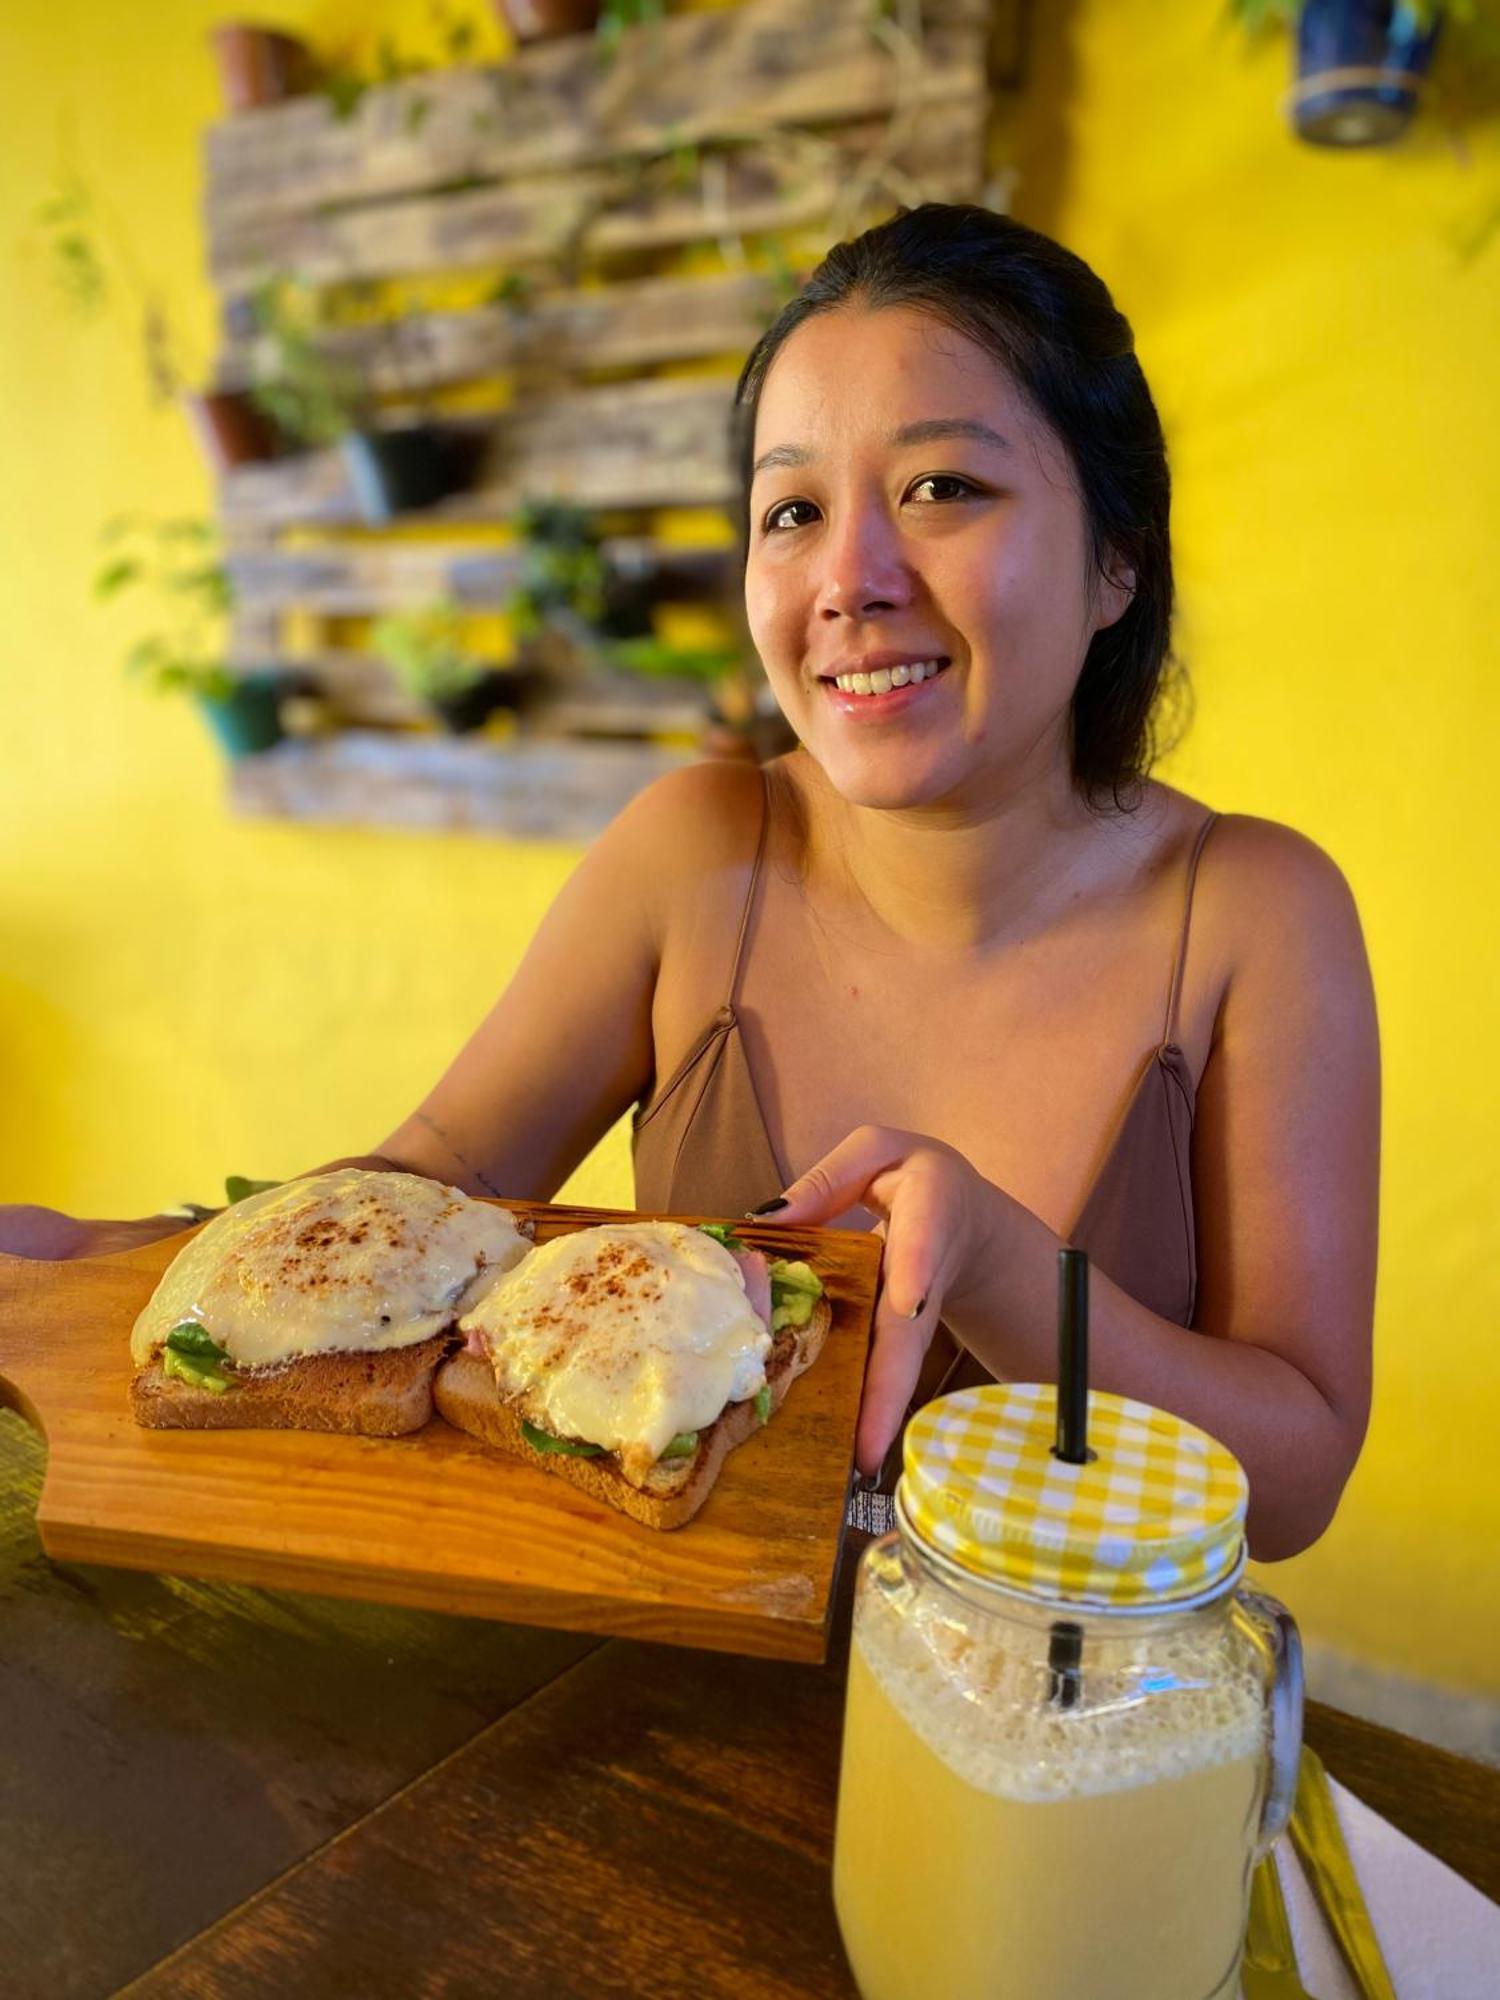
[(380, 1393), (465, 1393)]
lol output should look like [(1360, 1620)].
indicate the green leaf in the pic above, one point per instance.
[(148, 656), (237, 1186), (571, 1447), (191, 1338), (722, 1233), (652, 656), (192, 1355), (114, 576), (682, 1446), (763, 1402)]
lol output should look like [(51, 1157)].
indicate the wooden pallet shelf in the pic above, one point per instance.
[(582, 174), (626, 325), (637, 445), (565, 791), (559, 109), (356, 579)]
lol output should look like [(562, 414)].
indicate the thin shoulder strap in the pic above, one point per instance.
[(1174, 997), (760, 853)]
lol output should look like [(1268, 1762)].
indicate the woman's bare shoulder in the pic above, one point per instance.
[(1262, 868), (696, 819), (1274, 909)]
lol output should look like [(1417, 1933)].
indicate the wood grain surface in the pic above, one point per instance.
[(1449, 1805), (653, 1824), (168, 1746), (437, 1519)]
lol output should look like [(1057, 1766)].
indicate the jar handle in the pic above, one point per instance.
[(1275, 1630)]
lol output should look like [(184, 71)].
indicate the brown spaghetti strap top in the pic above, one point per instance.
[(701, 1146)]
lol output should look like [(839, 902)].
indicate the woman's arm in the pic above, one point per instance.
[(568, 1047), (1285, 1170)]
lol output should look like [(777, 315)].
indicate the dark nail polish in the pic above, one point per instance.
[(766, 1207)]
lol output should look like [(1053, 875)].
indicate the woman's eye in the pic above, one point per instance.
[(959, 489), (776, 519)]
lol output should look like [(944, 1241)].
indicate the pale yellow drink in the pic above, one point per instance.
[(991, 1852)]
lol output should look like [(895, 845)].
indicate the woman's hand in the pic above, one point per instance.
[(938, 1216), (28, 1231)]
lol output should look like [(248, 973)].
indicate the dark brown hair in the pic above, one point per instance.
[(1051, 323)]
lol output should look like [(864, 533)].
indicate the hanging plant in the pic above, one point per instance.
[(1361, 64), (96, 268)]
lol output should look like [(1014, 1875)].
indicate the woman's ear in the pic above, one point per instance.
[(1115, 592)]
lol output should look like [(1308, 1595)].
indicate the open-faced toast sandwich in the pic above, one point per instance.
[(631, 1358), (324, 1304)]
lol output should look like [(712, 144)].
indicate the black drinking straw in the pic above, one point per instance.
[(1072, 1357), (1065, 1646)]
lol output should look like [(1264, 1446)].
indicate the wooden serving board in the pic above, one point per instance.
[(437, 1519)]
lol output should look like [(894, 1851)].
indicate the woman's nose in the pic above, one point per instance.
[(864, 568)]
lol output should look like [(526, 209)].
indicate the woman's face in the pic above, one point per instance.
[(908, 508)]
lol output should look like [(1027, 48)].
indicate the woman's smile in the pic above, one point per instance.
[(882, 689)]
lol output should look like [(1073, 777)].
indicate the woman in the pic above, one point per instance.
[(955, 966)]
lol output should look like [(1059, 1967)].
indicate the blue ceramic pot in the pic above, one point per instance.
[(248, 719), (1360, 65)]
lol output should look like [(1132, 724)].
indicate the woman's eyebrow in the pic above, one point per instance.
[(928, 431), (933, 428)]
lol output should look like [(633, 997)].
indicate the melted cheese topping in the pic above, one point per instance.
[(342, 1260), (624, 1335)]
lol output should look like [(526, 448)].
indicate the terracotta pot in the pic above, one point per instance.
[(259, 66), (548, 20), (231, 430)]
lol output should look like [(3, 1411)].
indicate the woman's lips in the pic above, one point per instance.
[(881, 707)]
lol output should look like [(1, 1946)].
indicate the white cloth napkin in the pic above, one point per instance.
[(1440, 1936)]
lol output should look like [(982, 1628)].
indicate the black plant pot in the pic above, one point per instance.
[(476, 703), (1360, 65), (397, 471)]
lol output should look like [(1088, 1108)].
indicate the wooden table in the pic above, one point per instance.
[(207, 1789)]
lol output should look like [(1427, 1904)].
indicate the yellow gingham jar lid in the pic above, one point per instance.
[(1157, 1514)]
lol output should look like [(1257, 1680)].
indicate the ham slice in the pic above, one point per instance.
[(757, 1275)]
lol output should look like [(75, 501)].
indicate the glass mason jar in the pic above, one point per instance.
[(1068, 1736)]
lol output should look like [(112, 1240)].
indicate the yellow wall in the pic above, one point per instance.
[(181, 995)]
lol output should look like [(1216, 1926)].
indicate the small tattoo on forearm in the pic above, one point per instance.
[(468, 1165)]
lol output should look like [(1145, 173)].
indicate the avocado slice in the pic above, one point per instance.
[(541, 1440), (795, 1290), (192, 1355)]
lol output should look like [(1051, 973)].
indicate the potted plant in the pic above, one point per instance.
[(425, 650), (93, 262), (559, 601), (1361, 64), (259, 65), (315, 399), (176, 562)]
